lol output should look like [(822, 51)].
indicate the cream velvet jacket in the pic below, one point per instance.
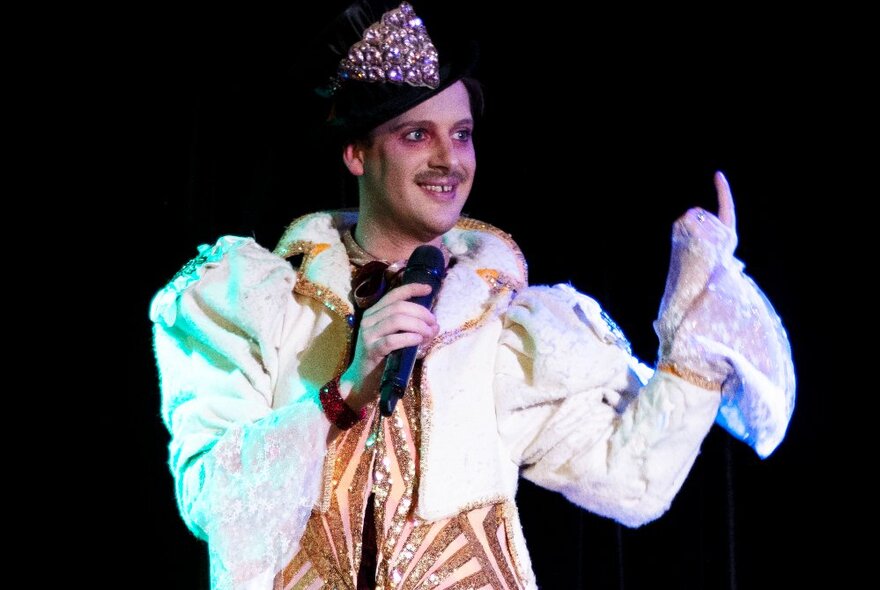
[(530, 381)]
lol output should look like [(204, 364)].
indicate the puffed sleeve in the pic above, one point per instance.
[(716, 326), (247, 473), (582, 416)]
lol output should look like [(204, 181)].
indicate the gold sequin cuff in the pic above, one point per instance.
[(689, 376)]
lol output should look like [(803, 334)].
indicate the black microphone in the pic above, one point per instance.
[(425, 265)]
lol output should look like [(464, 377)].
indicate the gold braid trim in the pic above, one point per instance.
[(689, 376), (469, 223)]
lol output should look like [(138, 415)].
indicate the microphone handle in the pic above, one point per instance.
[(398, 369)]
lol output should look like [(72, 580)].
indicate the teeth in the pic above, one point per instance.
[(438, 188)]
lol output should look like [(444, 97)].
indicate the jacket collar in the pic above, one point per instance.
[(486, 263)]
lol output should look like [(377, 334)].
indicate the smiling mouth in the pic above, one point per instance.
[(438, 188)]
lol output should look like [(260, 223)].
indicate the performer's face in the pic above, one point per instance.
[(416, 170)]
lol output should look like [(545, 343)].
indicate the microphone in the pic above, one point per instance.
[(425, 265)]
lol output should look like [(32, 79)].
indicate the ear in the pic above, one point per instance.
[(353, 156)]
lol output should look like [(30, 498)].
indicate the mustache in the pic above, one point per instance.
[(434, 177)]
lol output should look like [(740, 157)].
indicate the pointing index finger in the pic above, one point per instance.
[(726, 211)]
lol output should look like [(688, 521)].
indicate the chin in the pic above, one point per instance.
[(448, 223), (436, 228)]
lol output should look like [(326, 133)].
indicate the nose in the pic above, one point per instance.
[(443, 155)]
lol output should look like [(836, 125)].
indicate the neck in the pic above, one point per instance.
[(387, 246)]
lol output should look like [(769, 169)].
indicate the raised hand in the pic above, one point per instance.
[(701, 244)]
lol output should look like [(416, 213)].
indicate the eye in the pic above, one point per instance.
[(415, 135), (463, 134)]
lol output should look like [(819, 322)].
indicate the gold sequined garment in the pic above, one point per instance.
[(380, 455)]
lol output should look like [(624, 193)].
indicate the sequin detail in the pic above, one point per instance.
[(498, 281), (190, 267), (380, 455), (335, 408), (334, 303), (689, 376), (396, 50), (474, 224)]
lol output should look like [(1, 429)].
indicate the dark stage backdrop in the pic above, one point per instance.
[(601, 129)]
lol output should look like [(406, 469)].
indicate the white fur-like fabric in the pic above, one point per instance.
[(575, 413), (247, 462), (533, 381)]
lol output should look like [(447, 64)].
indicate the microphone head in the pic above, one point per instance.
[(426, 255), (425, 265)]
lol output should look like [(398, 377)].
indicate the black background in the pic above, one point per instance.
[(602, 127)]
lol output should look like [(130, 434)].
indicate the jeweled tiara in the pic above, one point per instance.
[(395, 49)]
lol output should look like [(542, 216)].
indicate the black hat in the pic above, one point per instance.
[(385, 64)]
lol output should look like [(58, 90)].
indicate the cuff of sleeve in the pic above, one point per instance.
[(337, 411), (689, 376)]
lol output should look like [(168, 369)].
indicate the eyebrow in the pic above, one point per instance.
[(428, 123)]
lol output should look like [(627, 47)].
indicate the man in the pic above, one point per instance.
[(271, 363)]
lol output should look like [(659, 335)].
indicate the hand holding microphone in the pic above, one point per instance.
[(391, 332), (425, 266)]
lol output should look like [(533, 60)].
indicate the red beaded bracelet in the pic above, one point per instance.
[(337, 411)]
